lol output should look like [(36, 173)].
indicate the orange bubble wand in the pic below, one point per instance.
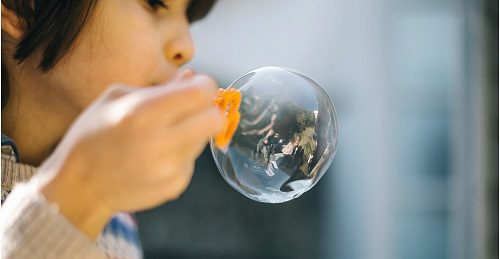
[(228, 101)]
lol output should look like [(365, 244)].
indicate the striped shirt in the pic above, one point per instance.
[(119, 238)]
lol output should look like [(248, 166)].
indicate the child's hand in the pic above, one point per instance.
[(131, 150)]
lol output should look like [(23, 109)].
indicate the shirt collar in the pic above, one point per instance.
[(9, 147)]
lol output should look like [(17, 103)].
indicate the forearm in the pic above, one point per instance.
[(31, 226), (79, 207)]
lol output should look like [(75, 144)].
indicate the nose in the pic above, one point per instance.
[(179, 49)]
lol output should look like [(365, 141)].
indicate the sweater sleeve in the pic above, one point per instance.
[(31, 227)]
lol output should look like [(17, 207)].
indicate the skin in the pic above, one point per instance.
[(118, 89), (125, 42)]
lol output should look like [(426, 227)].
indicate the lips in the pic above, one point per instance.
[(160, 82)]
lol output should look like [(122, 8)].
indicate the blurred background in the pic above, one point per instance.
[(415, 84)]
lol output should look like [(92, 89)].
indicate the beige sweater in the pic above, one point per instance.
[(31, 227)]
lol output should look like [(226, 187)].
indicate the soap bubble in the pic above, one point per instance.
[(286, 138)]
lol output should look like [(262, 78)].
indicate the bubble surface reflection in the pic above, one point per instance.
[(286, 138)]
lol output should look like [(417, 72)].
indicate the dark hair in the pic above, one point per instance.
[(52, 26)]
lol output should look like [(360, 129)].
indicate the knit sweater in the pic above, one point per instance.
[(32, 227)]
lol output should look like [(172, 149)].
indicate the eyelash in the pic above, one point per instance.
[(155, 4)]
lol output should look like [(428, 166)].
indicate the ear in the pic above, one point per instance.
[(11, 23)]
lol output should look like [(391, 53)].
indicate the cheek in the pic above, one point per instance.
[(122, 46), (127, 64), (86, 74), (129, 60), (128, 49)]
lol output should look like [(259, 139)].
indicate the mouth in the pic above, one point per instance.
[(159, 82), (163, 80), (166, 77)]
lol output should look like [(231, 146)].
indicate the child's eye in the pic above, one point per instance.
[(155, 4)]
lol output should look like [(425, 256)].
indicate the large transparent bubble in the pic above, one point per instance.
[(286, 138)]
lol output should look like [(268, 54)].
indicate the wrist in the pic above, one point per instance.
[(77, 203)]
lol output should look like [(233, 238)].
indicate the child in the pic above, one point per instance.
[(92, 101)]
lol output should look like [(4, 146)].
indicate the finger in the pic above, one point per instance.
[(115, 91), (172, 184), (195, 131), (183, 168), (175, 102), (175, 187), (166, 190)]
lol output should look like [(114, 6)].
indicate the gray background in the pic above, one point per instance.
[(415, 84)]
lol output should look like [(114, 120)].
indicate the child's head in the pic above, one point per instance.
[(296, 139), (65, 53)]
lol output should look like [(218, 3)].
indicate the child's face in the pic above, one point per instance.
[(125, 41)]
